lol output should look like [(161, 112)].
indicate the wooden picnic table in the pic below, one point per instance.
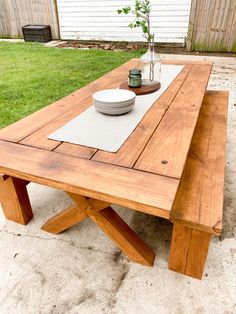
[(144, 174)]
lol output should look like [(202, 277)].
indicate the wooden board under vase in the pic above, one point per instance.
[(143, 90)]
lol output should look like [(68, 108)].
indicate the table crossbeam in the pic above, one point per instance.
[(108, 220)]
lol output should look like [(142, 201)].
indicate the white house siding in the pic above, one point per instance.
[(98, 20)]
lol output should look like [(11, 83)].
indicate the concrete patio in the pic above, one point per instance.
[(81, 271)]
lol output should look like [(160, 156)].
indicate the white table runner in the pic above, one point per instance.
[(108, 133)]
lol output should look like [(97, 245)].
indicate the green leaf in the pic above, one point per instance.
[(124, 10), (142, 17), (145, 28)]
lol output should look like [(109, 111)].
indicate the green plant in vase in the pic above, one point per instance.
[(150, 61)]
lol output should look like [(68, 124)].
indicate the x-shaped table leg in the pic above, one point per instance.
[(108, 220)]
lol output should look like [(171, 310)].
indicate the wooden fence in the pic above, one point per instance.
[(212, 23), (212, 26), (16, 13)]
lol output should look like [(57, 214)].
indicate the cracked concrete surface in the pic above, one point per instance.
[(80, 270)]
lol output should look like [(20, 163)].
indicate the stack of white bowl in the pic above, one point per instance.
[(114, 101)]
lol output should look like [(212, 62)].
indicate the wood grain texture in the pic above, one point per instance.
[(39, 138), (212, 26), (134, 145), (70, 216), (36, 128), (15, 200), (189, 248), (64, 220), (167, 150), (118, 231), (17, 13), (76, 150), (126, 187), (181, 236), (143, 89), (26, 126), (199, 200), (130, 150)]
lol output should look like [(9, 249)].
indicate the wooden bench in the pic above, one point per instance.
[(198, 207)]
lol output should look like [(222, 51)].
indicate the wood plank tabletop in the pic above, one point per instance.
[(143, 174)]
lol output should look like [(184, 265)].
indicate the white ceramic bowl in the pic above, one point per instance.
[(114, 111), (114, 96), (113, 105)]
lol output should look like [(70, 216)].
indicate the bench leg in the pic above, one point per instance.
[(15, 200), (189, 248)]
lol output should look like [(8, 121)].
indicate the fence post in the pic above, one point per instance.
[(190, 38)]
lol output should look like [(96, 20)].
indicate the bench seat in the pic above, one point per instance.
[(198, 208)]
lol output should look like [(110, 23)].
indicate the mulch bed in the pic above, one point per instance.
[(132, 46), (124, 46)]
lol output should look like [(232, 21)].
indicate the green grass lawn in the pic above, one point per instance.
[(33, 76)]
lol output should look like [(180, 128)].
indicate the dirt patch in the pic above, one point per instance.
[(132, 46)]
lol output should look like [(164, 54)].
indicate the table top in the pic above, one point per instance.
[(144, 174)]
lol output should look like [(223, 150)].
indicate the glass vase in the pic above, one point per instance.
[(150, 64)]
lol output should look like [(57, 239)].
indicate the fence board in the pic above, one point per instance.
[(212, 26), (16, 13)]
